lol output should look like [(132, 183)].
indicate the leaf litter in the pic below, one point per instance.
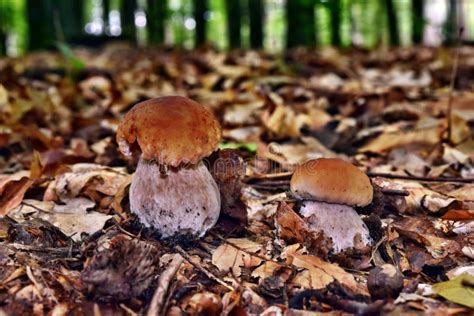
[(68, 241)]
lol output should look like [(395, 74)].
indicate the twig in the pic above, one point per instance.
[(395, 192), (60, 251), (35, 207), (376, 247), (416, 178), (273, 175), (15, 274), (163, 284), (274, 183), (33, 280), (269, 182), (269, 187), (209, 274), (116, 223), (128, 310), (169, 297)]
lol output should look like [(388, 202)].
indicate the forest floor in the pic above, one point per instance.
[(70, 246)]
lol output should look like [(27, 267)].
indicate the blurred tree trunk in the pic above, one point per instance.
[(157, 10), (335, 6), (199, 12), (451, 27), (301, 23), (68, 19), (392, 23), (105, 15), (40, 24), (256, 9), (4, 8), (127, 18), (3, 42), (418, 21), (234, 12)]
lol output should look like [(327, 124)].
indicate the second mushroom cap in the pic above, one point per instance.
[(333, 181)]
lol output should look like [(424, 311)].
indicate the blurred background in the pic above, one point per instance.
[(273, 25)]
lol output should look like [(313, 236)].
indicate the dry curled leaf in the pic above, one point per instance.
[(293, 229), (86, 178), (387, 141), (227, 257), (422, 198), (422, 231), (12, 194), (265, 270), (203, 303), (319, 273), (73, 218)]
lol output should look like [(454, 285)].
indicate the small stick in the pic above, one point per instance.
[(128, 310), (422, 179), (59, 251), (116, 223), (31, 277), (274, 175), (209, 274), (163, 284), (271, 183), (269, 187), (395, 192)]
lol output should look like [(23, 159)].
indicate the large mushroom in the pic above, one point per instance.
[(328, 190), (172, 190)]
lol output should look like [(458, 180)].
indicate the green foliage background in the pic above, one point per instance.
[(363, 22)]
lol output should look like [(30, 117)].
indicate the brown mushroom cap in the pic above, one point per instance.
[(171, 130), (333, 181)]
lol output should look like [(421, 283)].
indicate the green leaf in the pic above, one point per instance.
[(251, 147), (459, 290), (72, 61)]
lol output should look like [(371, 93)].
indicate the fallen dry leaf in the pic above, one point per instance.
[(227, 257), (13, 193), (290, 155), (422, 231), (265, 270), (319, 273), (384, 109), (72, 218), (458, 215), (422, 198), (293, 229), (89, 177), (453, 273), (284, 122), (260, 206), (36, 167), (387, 141)]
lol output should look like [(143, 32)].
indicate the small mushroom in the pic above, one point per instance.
[(328, 189), (172, 190)]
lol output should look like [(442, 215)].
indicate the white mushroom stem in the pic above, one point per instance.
[(339, 222), (181, 202)]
